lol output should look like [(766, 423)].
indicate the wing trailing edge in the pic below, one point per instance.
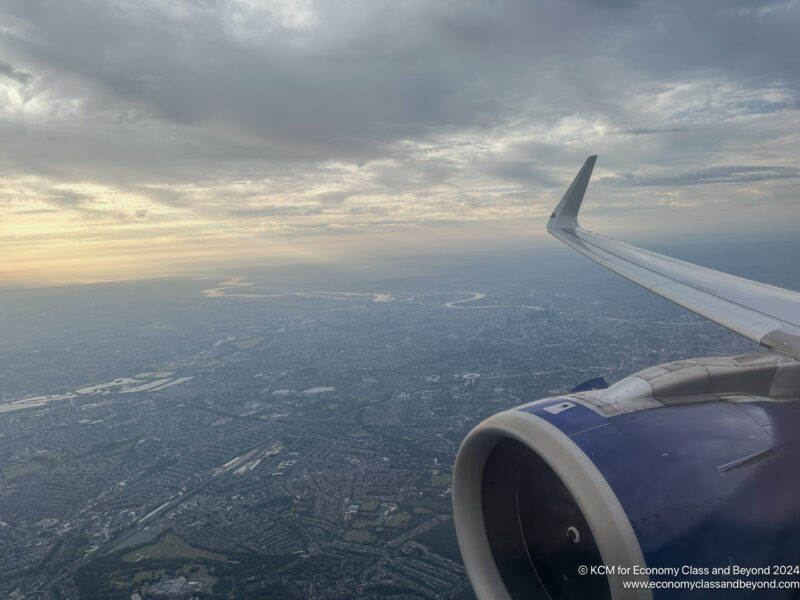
[(763, 313)]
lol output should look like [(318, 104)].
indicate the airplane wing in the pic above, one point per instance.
[(763, 313)]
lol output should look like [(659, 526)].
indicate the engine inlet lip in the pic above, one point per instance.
[(612, 530)]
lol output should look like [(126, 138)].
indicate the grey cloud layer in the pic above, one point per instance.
[(407, 95)]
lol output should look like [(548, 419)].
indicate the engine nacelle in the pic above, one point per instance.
[(690, 466)]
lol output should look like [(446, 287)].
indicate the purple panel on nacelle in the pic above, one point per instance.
[(566, 414)]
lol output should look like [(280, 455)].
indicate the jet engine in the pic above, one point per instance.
[(638, 489)]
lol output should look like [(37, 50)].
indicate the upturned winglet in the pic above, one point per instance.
[(565, 216)]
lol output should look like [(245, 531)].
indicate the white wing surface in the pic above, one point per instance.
[(763, 313)]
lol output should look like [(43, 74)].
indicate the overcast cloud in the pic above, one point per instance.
[(272, 123)]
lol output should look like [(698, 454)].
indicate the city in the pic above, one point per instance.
[(288, 444)]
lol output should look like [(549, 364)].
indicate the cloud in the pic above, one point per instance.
[(12, 73), (362, 77), (276, 211), (646, 131), (311, 115), (711, 175)]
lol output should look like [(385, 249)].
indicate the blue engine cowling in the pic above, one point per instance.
[(660, 490)]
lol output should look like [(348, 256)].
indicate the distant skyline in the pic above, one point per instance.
[(145, 138)]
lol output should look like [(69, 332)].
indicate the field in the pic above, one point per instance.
[(442, 479), (21, 469), (171, 546), (362, 537)]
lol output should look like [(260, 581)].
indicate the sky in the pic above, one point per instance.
[(146, 138)]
